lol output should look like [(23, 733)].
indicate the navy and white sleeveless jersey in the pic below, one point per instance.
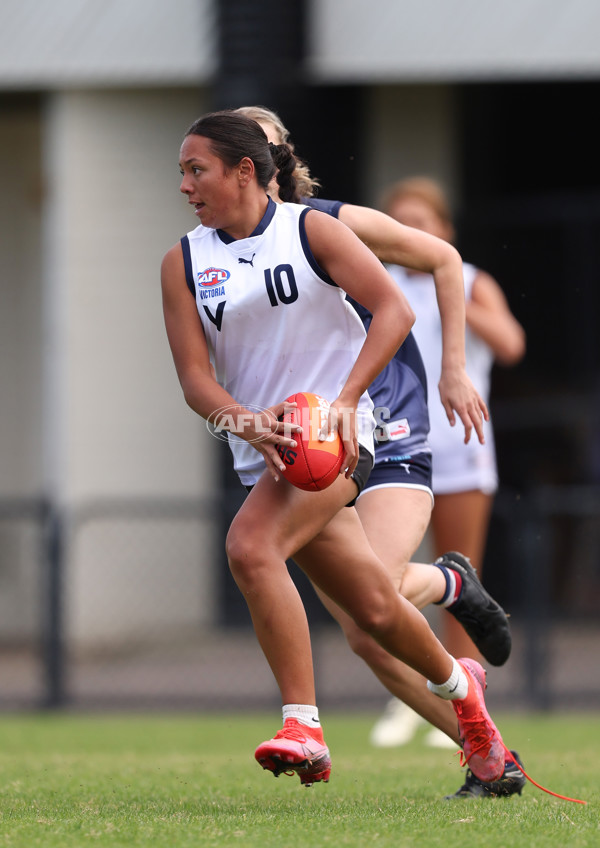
[(399, 392), (456, 467), (274, 321)]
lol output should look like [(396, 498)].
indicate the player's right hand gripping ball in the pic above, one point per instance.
[(312, 465)]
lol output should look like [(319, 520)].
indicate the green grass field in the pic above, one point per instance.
[(178, 781)]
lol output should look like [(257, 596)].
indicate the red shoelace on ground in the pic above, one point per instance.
[(509, 756), (539, 786)]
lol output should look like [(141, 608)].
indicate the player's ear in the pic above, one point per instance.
[(245, 170)]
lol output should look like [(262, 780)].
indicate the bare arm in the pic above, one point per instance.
[(398, 244), (358, 272), (196, 376), (489, 316)]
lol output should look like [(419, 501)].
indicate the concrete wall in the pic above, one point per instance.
[(88, 43), (116, 422), (91, 410), (395, 41), (114, 417)]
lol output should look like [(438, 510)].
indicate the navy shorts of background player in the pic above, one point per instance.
[(399, 395)]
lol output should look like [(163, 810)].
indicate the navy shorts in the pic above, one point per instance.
[(404, 470)]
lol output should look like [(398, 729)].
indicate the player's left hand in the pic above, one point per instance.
[(269, 434), (459, 395)]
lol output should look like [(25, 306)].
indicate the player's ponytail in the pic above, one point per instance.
[(285, 162)]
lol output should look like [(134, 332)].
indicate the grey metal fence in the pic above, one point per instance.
[(124, 604)]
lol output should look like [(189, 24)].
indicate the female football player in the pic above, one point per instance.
[(275, 321)]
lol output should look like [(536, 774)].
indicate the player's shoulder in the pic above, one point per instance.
[(319, 224), (329, 207), (174, 255), (310, 217)]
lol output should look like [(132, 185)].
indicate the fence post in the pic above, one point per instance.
[(52, 635), (536, 604)]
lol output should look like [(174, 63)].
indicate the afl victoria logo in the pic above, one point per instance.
[(228, 422), (212, 277)]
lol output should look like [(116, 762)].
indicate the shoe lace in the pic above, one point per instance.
[(477, 730), (291, 730), (509, 756), (470, 777)]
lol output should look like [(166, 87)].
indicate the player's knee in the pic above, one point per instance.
[(376, 614), (242, 551)]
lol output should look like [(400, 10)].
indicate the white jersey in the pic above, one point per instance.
[(456, 467), (275, 322)]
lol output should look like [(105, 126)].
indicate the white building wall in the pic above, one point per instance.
[(116, 425), (382, 41), (115, 417), (72, 43)]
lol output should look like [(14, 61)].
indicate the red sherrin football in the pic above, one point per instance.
[(312, 465)]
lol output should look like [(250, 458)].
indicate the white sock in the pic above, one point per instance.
[(304, 713), (455, 688)]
